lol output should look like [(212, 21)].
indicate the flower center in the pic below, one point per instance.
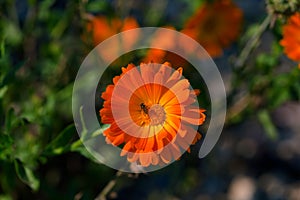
[(157, 114), (144, 107)]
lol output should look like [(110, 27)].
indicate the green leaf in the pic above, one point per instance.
[(5, 197), (2, 48), (6, 142), (84, 129), (26, 175), (78, 146), (9, 120), (62, 142), (91, 136), (13, 121), (96, 6), (84, 152), (60, 27), (3, 90), (99, 131), (45, 9), (266, 122), (10, 77), (265, 62), (12, 33)]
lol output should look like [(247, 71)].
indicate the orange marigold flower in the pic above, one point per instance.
[(168, 41), (102, 28), (160, 56), (215, 25), (152, 112), (291, 38)]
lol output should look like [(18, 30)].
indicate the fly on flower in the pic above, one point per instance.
[(153, 114), (144, 108)]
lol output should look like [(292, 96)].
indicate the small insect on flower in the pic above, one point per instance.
[(153, 114), (144, 108)]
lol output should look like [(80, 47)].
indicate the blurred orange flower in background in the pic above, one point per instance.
[(103, 27), (291, 38), (167, 40), (161, 114), (215, 25), (159, 56)]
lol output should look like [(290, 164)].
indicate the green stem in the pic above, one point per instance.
[(240, 66), (252, 43), (76, 144)]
